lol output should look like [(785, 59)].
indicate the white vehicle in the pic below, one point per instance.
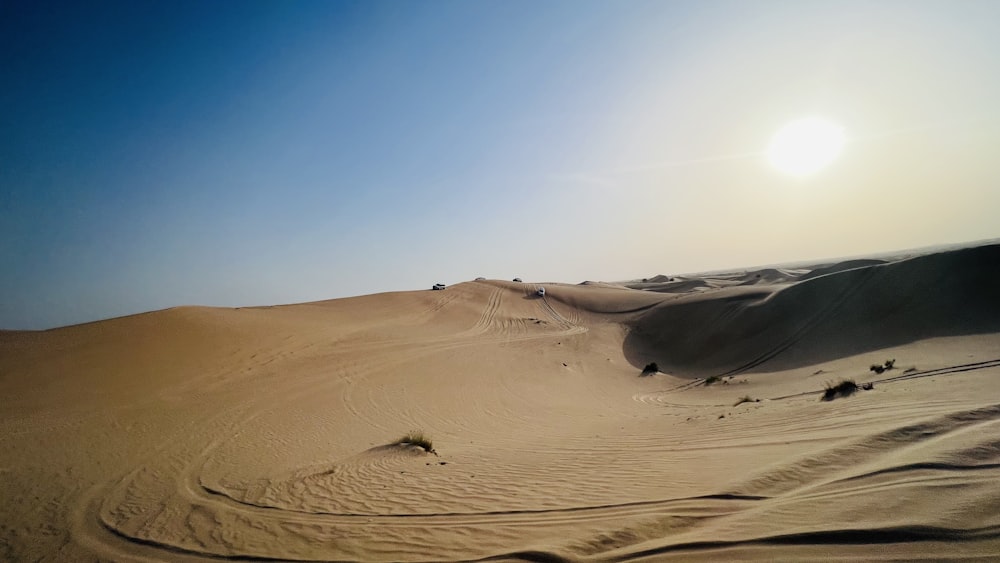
[(438, 286), (517, 280), (540, 291)]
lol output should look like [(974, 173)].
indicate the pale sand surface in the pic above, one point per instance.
[(262, 433)]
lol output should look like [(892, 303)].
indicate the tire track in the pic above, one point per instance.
[(950, 370), (488, 316), (194, 497), (871, 536), (816, 467), (864, 275)]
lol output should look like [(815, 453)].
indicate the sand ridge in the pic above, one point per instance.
[(265, 433)]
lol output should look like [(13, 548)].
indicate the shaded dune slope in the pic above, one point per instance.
[(844, 312)]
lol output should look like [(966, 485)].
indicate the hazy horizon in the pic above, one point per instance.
[(169, 154)]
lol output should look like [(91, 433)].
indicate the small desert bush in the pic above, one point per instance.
[(845, 388), (416, 438), (650, 369), (711, 380), (879, 368)]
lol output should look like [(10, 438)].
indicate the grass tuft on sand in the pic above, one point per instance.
[(845, 388), (416, 438)]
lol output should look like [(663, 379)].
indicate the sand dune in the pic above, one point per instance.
[(844, 312), (266, 433)]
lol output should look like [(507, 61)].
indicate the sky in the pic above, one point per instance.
[(164, 153)]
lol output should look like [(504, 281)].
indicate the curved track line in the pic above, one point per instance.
[(888, 535), (959, 368), (814, 321)]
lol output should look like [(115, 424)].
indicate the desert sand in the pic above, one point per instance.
[(267, 433)]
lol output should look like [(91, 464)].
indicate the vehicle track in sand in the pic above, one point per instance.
[(694, 512), (139, 507), (822, 477), (830, 307)]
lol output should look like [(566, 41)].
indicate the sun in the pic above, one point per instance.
[(806, 146)]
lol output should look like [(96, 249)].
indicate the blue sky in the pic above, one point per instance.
[(165, 153)]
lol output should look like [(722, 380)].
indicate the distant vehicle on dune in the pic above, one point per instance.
[(438, 286), (480, 279), (517, 280), (540, 291)]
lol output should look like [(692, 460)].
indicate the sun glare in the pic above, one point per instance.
[(806, 146)]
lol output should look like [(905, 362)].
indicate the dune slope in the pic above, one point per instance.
[(843, 312)]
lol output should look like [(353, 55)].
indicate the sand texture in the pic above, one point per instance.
[(266, 433)]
